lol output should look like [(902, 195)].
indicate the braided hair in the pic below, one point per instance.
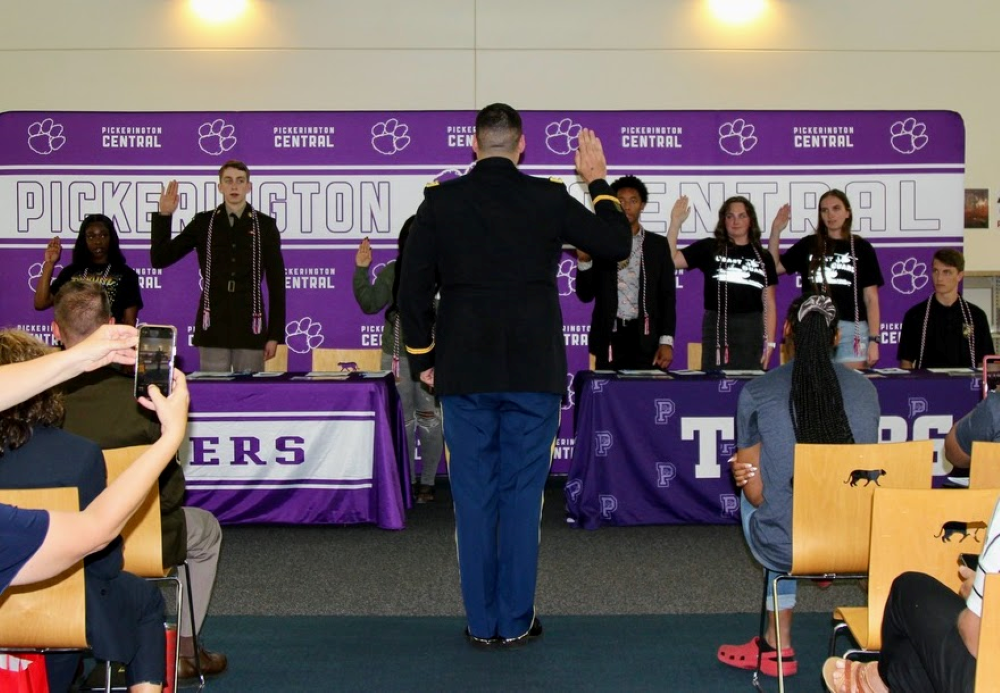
[(816, 402)]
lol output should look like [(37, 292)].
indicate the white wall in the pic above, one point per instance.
[(534, 54)]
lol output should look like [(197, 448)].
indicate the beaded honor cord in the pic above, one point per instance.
[(968, 331), (257, 316)]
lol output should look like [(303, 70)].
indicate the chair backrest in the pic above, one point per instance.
[(988, 665), (347, 359), (832, 501), (142, 538), (984, 470), (694, 356), (50, 613), (279, 364), (922, 531)]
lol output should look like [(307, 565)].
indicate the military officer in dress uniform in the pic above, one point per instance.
[(491, 241)]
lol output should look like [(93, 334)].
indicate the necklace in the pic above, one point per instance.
[(104, 274), (968, 331)]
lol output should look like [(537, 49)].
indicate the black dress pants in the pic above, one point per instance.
[(921, 647)]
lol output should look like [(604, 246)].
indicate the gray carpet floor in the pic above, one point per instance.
[(366, 571)]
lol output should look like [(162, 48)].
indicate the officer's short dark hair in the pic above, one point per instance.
[(498, 127), (633, 183), (951, 257)]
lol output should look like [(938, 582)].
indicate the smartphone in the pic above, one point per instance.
[(991, 374), (969, 560), (154, 358)]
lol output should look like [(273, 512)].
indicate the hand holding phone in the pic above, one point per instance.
[(969, 560), (154, 359)]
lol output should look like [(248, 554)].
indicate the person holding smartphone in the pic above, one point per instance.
[(99, 406), (930, 635), (239, 248), (124, 613)]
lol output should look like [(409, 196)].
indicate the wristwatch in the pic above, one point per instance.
[(874, 339)]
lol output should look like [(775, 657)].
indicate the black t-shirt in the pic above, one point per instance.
[(947, 343), (839, 271), (739, 271), (120, 281)]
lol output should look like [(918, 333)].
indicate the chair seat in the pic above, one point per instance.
[(856, 618)]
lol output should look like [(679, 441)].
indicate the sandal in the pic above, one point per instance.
[(745, 657), (855, 677)]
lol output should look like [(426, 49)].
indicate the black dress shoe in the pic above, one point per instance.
[(534, 632), (483, 643)]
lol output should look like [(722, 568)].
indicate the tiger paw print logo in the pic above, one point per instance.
[(452, 173), (216, 137), (907, 136), (35, 273), (45, 137), (566, 276), (375, 269), (737, 138), (389, 137), (909, 276), (302, 336), (563, 136), (570, 395)]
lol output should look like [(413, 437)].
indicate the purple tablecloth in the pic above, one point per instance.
[(283, 449), (654, 451)]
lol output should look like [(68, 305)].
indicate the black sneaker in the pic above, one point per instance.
[(534, 632), (483, 643)]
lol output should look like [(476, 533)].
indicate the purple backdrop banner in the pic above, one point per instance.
[(655, 451), (334, 178)]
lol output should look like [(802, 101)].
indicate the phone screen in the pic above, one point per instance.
[(154, 360), (969, 560)]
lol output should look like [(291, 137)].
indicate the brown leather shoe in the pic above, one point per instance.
[(211, 663)]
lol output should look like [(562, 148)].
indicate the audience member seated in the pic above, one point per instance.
[(100, 407), (799, 402), (97, 257), (37, 544), (930, 635), (982, 424), (124, 613)]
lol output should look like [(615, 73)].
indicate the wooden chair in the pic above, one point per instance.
[(984, 470), (142, 540), (988, 665), (694, 356), (831, 509), (347, 359), (279, 364), (48, 616), (916, 530)]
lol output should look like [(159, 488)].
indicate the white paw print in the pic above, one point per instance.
[(909, 276), (216, 137), (45, 136), (35, 272), (375, 269), (562, 136), (907, 136), (452, 173), (390, 137), (302, 336), (737, 137), (566, 277)]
